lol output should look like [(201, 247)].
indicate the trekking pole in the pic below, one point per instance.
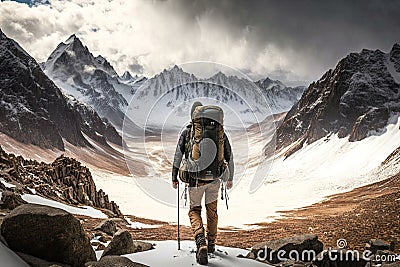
[(179, 234)]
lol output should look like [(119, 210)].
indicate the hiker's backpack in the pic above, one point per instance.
[(206, 146)]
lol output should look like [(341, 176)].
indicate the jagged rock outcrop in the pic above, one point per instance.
[(47, 233), (353, 100), (64, 180)]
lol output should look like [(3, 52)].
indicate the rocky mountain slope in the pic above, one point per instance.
[(89, 79), (64, 180), (34, 110), (354, 100)]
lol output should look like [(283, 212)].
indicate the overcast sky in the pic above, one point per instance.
[(288, 40)]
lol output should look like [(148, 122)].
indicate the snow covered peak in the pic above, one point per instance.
[(268, 84), (89, 79), (175, 73), (71, 39), (176, 69), (218, 75), (127, 76), (104, 65)]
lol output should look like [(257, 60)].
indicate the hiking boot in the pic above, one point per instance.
[(201, 254), (211, 246)]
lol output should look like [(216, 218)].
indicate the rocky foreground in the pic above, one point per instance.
[(65, 180), (367, 218)]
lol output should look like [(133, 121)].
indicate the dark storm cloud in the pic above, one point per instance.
[(292, 41), (322, 30)]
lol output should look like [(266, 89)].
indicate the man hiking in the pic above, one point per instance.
[(208, 163)]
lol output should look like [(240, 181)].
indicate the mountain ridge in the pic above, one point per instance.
[(353, 100)]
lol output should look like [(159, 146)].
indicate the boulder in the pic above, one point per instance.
[(11, 200), (377, 244), (122, 243), (47, 233), (114, 261), (142, 246), (107, 226), (303, 247)]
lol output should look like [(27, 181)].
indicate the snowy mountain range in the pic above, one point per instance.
[(94, 81), (96, 96), (355, 100), (173, 90), (33, 110)]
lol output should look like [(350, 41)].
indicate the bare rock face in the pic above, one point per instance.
[(33, 109), (47, 233), (377, 244), (287, 247), (353, 100)]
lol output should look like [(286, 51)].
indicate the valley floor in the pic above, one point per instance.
[(371, 211)]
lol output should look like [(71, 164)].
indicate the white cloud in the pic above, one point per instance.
[(152, 34)]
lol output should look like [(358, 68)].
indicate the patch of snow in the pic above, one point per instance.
[(139, 225), (166, 254), (33, 191), (392, 70), (9, 258), (8, 185), (98, 252), (84, 210)]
